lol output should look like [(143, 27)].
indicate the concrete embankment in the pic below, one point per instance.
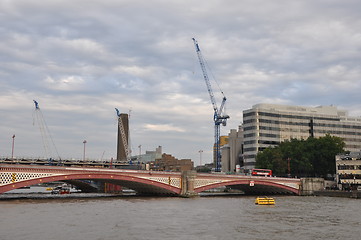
[(335, 193)]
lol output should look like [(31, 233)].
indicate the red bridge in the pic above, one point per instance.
[(187, 183)]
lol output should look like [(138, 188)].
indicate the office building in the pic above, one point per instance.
[(266, 125), (348, 170), (232, 151)]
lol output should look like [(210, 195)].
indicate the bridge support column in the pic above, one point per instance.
[(101, 187), (310, 185), (188, 184)]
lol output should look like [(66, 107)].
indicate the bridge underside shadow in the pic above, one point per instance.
[(262, 190), (146, 189), (258, 188), (141, 188), (85, 187)]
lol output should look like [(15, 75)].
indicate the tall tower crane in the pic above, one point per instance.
[(218, 116), (123, 136)]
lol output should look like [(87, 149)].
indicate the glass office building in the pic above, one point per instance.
[(266, 125)]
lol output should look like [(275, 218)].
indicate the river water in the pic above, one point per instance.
[(230, 217)]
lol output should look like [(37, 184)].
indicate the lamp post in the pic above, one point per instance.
[(200, 157), (140, 153), (12, 149), (84, 150)]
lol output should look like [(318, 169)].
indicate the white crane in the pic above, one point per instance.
[(45, 133)]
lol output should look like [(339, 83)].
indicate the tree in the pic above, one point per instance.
[(271, 158), (311, 157), (324, 152)]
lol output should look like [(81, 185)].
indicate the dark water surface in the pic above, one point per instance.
[(237, 217)]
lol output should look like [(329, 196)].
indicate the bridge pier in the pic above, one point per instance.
[(310, 185), (187, 184)]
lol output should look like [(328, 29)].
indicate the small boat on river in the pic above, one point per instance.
[(265, 201)]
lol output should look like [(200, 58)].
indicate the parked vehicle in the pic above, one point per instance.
[(63, 189)]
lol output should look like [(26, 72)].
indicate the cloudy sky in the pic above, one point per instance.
[(81, 59)]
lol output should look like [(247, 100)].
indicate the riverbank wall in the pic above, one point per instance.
[(337, 193)]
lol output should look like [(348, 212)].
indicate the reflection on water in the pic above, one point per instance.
[(234, 217), (39, 192)]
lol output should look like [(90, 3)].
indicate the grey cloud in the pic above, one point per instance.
[(83, 58)]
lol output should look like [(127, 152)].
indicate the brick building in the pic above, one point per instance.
[(170, 163)]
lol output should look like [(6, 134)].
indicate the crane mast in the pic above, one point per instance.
[(218, 116)]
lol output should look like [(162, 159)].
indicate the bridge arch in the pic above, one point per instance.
[(260, 187), (140, 185)]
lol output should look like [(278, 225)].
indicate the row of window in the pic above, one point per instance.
[(254, 149), (277, 115), (309, 124), (269, 135), (349, 167), (338, 132), (277, 129), (267, 128), (249, 156), (277, 122), (350, 176), (250, 135), (250, 149), (262, 142), (262, 135)]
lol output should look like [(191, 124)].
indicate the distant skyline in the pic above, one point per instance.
[(82, 59)]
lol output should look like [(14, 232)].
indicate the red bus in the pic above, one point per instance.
[(262, 172)]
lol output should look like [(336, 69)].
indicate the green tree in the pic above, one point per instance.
[(324, 150), (311, 157), (295, 151), (271, 158)]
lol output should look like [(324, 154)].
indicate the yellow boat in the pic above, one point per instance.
[(265, 201)]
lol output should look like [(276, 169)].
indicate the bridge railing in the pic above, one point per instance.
[(66, 162)]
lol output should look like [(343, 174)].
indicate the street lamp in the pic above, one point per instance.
[(12, 149), (140, 153), (84, 150), (200, 157)]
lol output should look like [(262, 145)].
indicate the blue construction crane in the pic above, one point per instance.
[(218, 116)]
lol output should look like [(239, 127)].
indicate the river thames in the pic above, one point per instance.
[(227, 217)]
